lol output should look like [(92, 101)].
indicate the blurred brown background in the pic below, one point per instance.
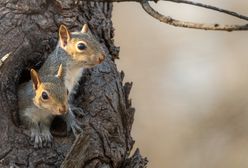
[(190, 86)]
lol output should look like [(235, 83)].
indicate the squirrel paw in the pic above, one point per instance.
[(37, 139), (47, 139), (72, 123), (75, 127), (77, 110)]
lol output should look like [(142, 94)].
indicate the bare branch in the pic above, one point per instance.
[(166, 19), (211, 7)]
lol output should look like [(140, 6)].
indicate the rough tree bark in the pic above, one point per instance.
[(28, 29)]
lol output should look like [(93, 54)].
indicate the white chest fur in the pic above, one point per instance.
[(37, 115), (72, 77)]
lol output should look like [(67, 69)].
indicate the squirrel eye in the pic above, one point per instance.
[(44, 96), (81, 46)]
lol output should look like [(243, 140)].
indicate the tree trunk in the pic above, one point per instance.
[(29, 30)]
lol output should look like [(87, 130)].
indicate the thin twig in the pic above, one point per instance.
[(166, 19), (212, 8), (4, 58)]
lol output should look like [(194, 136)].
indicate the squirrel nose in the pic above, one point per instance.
[(62, 109)]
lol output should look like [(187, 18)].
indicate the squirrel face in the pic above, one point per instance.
[(51, 94), (81, 46)]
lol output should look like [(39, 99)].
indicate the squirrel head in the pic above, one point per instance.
[(81, 46), (51, 93)]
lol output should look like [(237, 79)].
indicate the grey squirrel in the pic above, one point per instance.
[(75, 51), (38, 106)]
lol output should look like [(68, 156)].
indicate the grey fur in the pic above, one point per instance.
[(40, 124)]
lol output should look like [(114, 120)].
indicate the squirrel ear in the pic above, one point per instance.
[(85, 28), (35, 78), (64, 36), (60, 72)]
